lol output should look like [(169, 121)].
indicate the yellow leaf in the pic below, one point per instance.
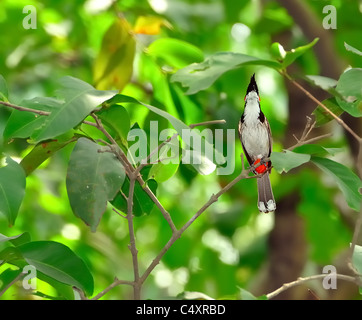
[(150, 25), (113, 66)]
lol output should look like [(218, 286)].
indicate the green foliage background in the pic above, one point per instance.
[(227, 248)]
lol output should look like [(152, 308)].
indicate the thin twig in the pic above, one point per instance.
[(110, 287), (309, 95), (133, 248), (307, 126), (13, 106), (158, 204), (303, 142), (300, 281)]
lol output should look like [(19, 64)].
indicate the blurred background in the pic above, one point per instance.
[(232, 245)]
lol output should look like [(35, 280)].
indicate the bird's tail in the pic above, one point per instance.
[(266, 202)]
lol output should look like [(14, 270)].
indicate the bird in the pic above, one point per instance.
[(256, 140)]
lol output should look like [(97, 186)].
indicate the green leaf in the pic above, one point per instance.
[(353, 108), (321, 116), (200, 76), (42, 151), (352, 49), (22, 124), (64, 290), (175, 52), (4, 93), (9, 255), (7, 277), (293, 54), (80, 98), (350, 87), (59, 262), (169, 160), (277, 51), (12, 189), (327, 84), (184, 131), (347, 181), (16, 240), (316, 149), (142, 203), (113, 66), (287, 160), (163, 171), (94, 177), (349, 84), (118, 119), (199, 161), (13, 256)]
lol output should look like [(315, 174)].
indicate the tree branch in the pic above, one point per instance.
[(178, 233), (300, 281), (110, 287), (130, 170), (307, 130), (309, 95), (134, 251), (13, 106)]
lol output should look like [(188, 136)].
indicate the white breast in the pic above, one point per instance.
[(255, 139), (252, 109), (255, 135)]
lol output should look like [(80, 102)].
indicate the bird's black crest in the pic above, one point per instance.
[(252, 85)]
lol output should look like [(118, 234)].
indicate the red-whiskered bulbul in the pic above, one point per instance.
[(255, 137)]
